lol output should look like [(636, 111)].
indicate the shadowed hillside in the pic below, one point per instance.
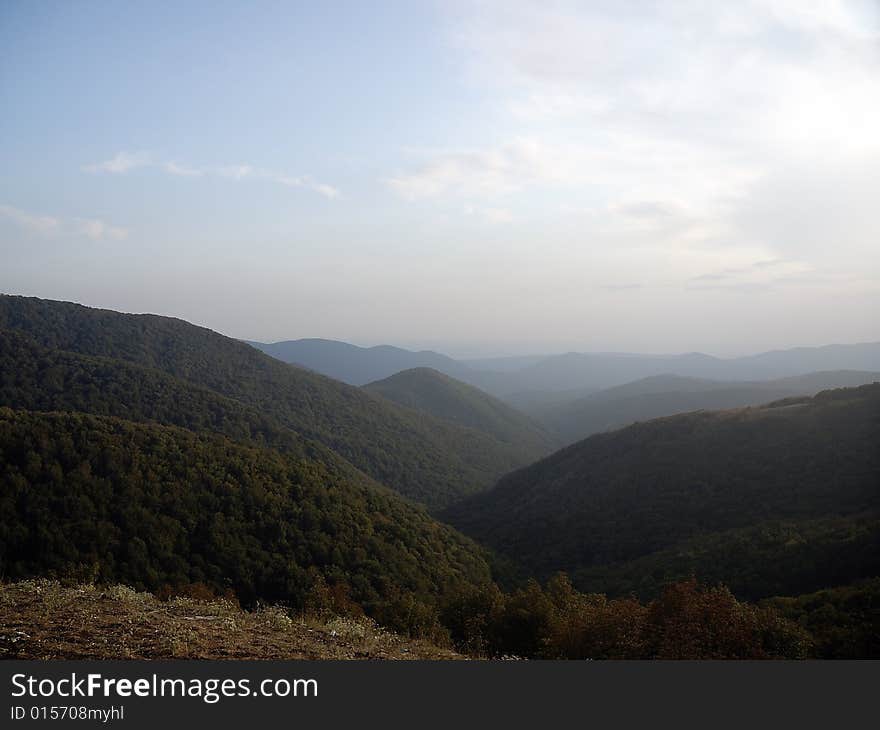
[(626, 495)]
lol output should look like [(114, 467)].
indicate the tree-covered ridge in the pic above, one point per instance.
[(419, 456), (152, 505), (33, 377), (430, 391), (772, 558), (844, 621), (620, 496)]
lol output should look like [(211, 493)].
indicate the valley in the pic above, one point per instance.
[(423, 511)]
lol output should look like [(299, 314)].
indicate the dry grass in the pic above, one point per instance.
[(42, 619)]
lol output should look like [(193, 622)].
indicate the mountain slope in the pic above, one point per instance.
[(352, 364), (151, 505), (439, 395), (667, 395), (620, 496), (33, 377), (421, 457)]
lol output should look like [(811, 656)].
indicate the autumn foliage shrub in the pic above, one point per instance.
[(688, 621)]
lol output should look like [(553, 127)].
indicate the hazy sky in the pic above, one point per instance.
[(480, 178)]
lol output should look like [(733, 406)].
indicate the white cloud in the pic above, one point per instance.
[(684, 126), (754, 74), (174, 168), (236, 172), (43, 225), (498, 215), (757, 273), (328, 191), (121, 162), (491, 171), (50, 226), (491, 215), (97, 229), (126, 161)]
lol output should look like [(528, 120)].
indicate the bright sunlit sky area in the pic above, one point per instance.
[(485, 178)]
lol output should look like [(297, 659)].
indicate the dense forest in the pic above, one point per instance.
[(843, 622), (776, 557), (149, 505), (679, 495), (424, 458), (33, 377)]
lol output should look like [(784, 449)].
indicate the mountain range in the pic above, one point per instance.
[(665, 395), (537, 379), (151, 451), (356, 365), (424, 458)]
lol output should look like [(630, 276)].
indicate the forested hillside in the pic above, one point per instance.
[(110, 500), (424, 458), (432, 392), (33, 377), (598, 505)]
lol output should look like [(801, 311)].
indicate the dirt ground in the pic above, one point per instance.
[(41, 619)]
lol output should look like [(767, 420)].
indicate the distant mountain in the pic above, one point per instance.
[(803, 360), (666, 395), (532, 380), (504, 364), (426, 459), (784, 498), (356, 365), (592, 371), (439, 395)]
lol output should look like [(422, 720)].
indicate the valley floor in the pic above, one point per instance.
[(41, 619)]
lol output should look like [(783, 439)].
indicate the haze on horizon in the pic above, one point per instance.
[(480, 179)]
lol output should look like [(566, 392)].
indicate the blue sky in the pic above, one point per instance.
[(481, 178)]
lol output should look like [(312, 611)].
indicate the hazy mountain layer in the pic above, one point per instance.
[(538, 378), (666, 395), (356, 365), (451, 400), (591, 371)]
